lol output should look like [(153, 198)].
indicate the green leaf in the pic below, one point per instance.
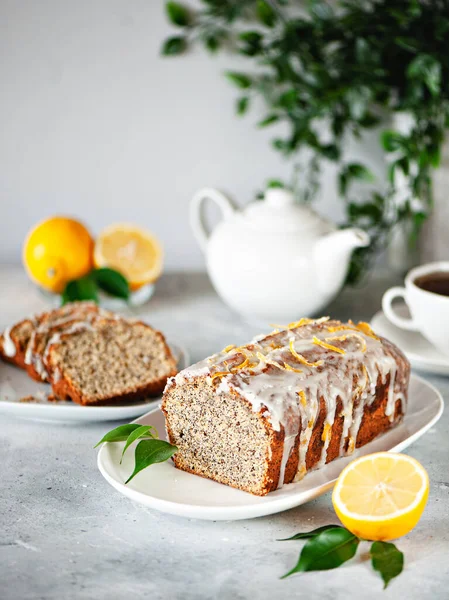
[(239, 79), (178, 14), (111, 281), (149, 452), (80, 289), (252, 43), (327, 550), (320, 10), (142, 431), (359, 171), (309, 534), (275, 183), (119, 434), (269, 120), (212, 43), (427, 69), (330, 151), (174, 46), (265, 13), (392, 140), (242, 105), (387, 560)]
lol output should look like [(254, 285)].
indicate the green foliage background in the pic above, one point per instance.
[(343, 68)]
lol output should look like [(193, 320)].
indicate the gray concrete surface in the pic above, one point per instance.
[(66, 534)]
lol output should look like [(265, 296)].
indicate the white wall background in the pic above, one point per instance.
[(94, 123)]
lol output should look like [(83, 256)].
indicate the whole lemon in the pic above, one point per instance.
[(57, 250)]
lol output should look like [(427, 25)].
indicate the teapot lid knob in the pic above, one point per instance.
[(279, 197)]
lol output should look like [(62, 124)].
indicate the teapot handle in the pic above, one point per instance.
[(197, 221)]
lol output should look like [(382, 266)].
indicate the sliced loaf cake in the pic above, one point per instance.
[(266, 413), (109, 361)]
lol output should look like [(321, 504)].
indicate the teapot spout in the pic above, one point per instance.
[(332, 256)]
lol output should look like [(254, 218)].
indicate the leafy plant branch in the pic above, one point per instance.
[(329, 73)]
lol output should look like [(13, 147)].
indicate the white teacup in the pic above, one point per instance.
[(429, 310)]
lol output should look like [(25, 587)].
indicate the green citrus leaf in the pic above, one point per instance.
[(178, 14), (174, 45), (119, 434), (142, 431), (111, 281), (149, 452), (387, 560), (80, 289), (309, 534), (327, 550)]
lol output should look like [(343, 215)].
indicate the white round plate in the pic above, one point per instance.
[(15, 384), (420, 352), (170, 490)]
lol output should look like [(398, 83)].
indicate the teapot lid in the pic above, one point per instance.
[(279, 212)]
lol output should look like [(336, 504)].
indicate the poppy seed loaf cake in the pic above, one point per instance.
[(258, 416), (109, 361)]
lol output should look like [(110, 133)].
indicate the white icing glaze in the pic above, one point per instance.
[(350, 378), (9, 347)]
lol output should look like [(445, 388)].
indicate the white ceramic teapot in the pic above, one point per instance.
[(275, 261)]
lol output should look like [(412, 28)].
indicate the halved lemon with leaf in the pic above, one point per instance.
[(131, 250), (381, 496)]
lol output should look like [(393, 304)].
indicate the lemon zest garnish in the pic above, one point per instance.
[(351, 445), (220, 374), (326, 431), (310, 424), (342, 338), (228, 348), (268, 361), (302, 397), (301, 358), (366, 329), (242, 365), (290, 368), (324, 344)]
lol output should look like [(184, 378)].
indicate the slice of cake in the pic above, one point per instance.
[(15, 340), (258, 416), (71, 317), (109, 361)]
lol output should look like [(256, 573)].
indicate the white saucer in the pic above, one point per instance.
[(170, 490), (15, 384), (420, 352)]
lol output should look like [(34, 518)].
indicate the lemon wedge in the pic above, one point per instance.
[(133, 251), (381, 496)]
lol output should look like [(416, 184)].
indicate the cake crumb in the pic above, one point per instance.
[(29, 399)]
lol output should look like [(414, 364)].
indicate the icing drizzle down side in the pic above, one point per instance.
[(9, 347), (290, 370)]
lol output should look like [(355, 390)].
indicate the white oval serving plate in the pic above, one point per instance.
[(15, 384), (170, 490), (421, 353)]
